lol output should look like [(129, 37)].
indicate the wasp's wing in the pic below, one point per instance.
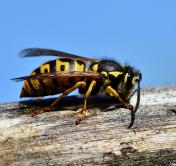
[(60, 75), (33, 52)]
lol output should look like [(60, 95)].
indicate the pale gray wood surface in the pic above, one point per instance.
[(52, 138)]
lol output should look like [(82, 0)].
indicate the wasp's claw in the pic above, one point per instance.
[(78, 120), (129, 106), (35, 113), (80, 115), (40, 111)]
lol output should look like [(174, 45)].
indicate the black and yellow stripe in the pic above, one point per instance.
[(35, 87)]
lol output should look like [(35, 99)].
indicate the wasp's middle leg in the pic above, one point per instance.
[(84, 113)]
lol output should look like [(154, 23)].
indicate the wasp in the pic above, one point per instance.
[(70, 72)]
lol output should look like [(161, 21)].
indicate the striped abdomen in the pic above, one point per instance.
[(45, 87)]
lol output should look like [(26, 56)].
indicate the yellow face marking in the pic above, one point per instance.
[(45, 68), (115, 73), (95, 67), (126, 78), (62, 66), (79, 66)]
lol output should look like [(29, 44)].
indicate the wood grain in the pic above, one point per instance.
[(52, 138)]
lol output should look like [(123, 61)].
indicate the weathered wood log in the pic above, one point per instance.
[(52, 138)]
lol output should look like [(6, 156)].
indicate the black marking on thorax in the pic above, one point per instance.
[(108, 65)]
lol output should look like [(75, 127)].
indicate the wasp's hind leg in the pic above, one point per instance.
[(85, 113), (51, 107)]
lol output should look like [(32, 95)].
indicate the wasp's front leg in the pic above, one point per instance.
[(112, 92)]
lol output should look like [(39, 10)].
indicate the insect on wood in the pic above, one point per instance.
[(70, 72)]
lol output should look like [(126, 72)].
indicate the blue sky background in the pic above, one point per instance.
[(141, 33)]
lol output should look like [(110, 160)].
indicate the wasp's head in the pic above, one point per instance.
[(131, 76), (121, 78)]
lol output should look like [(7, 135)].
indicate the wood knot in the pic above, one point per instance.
[(128, 150)]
